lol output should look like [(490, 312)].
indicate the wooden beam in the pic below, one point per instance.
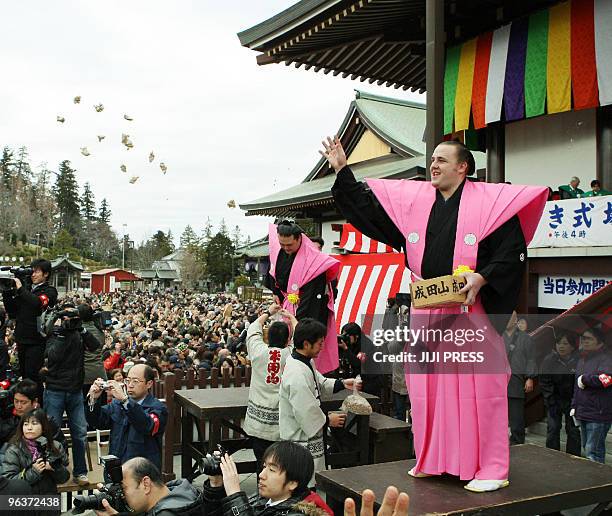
[(434, 76), (496, 153), (604, 146), (263, 59)]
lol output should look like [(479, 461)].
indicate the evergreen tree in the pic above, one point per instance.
[(219, 252), (163, 243), (105, 213), (66, 192), (22, 165), (207, 233), (236, 237), (223, 228), (6, 167), (88, 204), (189, 239)]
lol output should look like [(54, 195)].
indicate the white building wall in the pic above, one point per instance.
[(330, 236), (548, 150)]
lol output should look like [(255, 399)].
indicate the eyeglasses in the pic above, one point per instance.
[(135, 381)]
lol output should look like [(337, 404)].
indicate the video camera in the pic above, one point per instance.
[(102, 319), (71, 321), (8, 275), (113, 491)]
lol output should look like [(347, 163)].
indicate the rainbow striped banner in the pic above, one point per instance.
[(555, 60)]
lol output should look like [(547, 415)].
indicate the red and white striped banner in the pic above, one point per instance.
[(354, 241), (365, 282)]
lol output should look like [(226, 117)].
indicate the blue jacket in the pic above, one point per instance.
[(136, 431), (594, 402)]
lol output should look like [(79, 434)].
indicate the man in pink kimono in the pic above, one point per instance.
[(460, 417), (300, 277)]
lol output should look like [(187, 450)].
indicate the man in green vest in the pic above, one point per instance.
[(571, 191), (596, 190)]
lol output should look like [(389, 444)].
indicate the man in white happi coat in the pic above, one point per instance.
[(267, 364), (301, 419)]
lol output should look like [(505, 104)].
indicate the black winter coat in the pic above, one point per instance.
[(18, 464), (239, 504), (64, 354), (25, 307), (557, 379), (522, 363)]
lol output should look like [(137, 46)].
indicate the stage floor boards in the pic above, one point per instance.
[(541, 481)]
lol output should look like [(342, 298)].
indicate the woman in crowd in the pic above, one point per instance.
[(35, 457), (557, 386), (592, 403)]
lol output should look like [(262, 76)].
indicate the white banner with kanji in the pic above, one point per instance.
[(563, 292), (575, 223)]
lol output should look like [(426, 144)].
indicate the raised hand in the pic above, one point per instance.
[(334, 153), (394, 504)]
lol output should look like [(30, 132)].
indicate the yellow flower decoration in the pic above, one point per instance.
[(293, 298), (461, 269)]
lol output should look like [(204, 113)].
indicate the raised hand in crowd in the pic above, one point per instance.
[(394, 504)]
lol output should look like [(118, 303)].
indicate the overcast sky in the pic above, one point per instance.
[(225, 127)]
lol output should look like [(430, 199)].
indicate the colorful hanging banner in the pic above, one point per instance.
[(532, 66), (463, 97), (450, 86), (497, 73), (558, 71), (535, 64), (584, 71), (481, 74), (603, 49), (514, 84)]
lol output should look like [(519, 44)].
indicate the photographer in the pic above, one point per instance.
[(64, 375), (145, 492), (282, 487), (354, 348), (26, 305), (136, 418)]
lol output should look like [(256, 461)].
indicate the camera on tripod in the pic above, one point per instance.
[(113, 491), (8, 275)]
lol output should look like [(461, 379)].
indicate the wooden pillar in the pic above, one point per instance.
[(496, 153), (434, 76), (604, 147)]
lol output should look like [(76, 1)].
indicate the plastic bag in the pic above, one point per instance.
[(356, 403)]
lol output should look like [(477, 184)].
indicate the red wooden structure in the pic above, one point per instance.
[(109, 280)]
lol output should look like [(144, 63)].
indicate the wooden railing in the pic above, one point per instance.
[(164, 389)]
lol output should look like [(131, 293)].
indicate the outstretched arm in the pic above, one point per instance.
[(357, 203)]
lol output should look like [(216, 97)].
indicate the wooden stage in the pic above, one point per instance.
[(541, 481)]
